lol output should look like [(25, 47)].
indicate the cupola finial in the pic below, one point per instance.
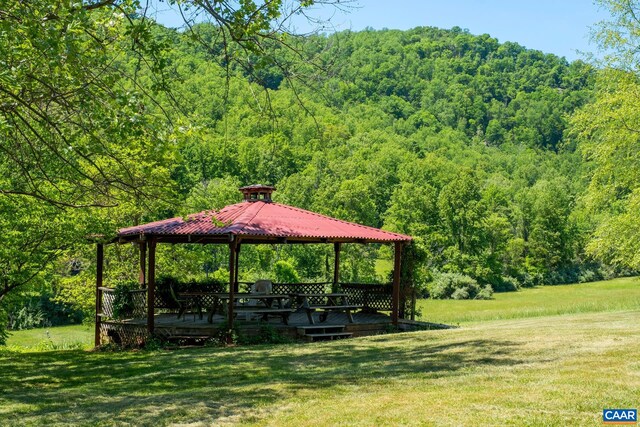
[(257, 193)]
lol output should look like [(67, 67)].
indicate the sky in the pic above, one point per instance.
[(561, 27)]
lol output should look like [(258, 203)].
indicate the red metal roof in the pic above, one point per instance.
[(260, 219)]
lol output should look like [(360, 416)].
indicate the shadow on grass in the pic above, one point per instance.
[(205, 385)]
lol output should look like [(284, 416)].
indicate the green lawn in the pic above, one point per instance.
[(546, 369), (555, 370), (57, 337), (610, 295)]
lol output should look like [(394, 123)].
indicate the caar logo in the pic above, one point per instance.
[(619, 416)]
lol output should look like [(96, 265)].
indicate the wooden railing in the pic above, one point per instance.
[(372, 296), (137, 304), (163, 298)]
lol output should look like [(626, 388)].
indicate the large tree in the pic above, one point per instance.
[(89, 125), (608, 131)]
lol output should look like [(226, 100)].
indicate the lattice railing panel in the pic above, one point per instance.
[(303, 288), (138, 298), (370, 296), (125, 335), (107, 302), (163, 298)]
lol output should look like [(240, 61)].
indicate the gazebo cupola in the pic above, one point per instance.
[(257, 192)]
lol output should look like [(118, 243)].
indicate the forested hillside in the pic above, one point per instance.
[(453, 138)]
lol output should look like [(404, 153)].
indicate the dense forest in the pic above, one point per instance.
[(478, 149)]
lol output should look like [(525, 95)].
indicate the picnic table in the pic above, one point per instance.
[(332, 302), (194, 298), (272, 304)]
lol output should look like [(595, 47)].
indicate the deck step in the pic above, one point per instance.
[(310, 328), (188, 337), (328, 336)]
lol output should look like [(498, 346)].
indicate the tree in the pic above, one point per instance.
[(608, 133), (89, 126)]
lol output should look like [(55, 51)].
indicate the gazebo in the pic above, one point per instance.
[(255, 220)]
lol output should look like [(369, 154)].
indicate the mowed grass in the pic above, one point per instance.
[(59, 336), (544, 369), (555, 370), (611, 295)]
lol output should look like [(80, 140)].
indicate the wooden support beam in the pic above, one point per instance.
[(151, 287), (142, 278), (235, 279), (336, 266), (232, 283), (99, 274), (395, 296)]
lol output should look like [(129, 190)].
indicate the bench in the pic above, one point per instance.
[(284, 313), (265, 304), (329, 308), (334, 302)]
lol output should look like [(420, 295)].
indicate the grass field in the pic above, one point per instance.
[(610, 295), (541, 370), (56, 337)]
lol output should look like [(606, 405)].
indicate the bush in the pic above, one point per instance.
[(27, 317), (42, 310), (531, 280), (267, 335), (485, 293), (123, 305), (285, 272), (506, 284), (457, 286)]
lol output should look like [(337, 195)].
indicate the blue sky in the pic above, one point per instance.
[(552, 26)]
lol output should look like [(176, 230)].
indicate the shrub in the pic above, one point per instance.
[(457, 286), (123, 305), (27, 317), (285, 272), (460, 293), (266, 335), (506, 284), (588, 275), (485, 293), (42, 310), (531, 280)]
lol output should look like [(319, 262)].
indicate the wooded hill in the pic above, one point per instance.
[(456, 139)]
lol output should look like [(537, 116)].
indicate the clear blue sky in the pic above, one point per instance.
[(552, 26)]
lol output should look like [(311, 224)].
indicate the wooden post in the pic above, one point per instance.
[(395, 296), (142, 278), (151, 287), (232, 276), (235, 279), (99, 273), (336, 266)]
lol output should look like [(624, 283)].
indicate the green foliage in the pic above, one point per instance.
[(457, 286), (42, 310), (285, 272), (267, 334), (27, 317), (123, 303), (606, 132), (455, 139)]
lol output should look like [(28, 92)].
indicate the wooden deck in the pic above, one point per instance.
[(169, 326)]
